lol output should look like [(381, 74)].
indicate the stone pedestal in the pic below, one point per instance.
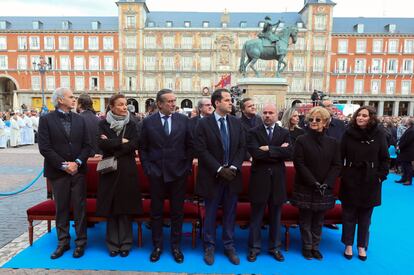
[(265, 90)]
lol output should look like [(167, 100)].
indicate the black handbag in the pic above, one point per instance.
[(109, 164)]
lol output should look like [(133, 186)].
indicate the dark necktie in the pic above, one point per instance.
[(166, 128), (225, 140), (269, 133)]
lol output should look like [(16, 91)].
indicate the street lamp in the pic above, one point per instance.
[(42, 67)]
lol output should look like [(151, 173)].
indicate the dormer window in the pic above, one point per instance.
[(151, 24), (243, 24), (224, 24), (261, 24), (321, 1), (37, 25), (391, 28), (359, 28), (205, 24), (299, 24), (168, 24), (66, 25), (3, 25), (187, 24), (96, 25)]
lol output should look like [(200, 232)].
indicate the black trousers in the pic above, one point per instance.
[(275, 213), (175, 192), (70, 191), (119, 235), (351, 216), (407, 170), (310, 223)]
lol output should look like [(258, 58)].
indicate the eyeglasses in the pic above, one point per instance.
[(317, 120)]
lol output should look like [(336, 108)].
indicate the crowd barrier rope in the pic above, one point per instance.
[(24, 188)]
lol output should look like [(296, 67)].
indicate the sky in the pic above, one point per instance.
[(344, 8)]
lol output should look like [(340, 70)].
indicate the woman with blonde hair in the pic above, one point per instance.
[(290, 121), (317, 162)]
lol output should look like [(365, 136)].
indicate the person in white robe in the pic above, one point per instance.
[(14, 131), (28, 129), (3, 136)]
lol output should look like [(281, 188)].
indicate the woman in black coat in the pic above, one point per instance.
[(119, 196), (365, 157), (290, 121), (318, 163)]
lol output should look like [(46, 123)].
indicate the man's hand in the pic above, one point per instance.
[(72, 167), (227, 173), (124, 140), (104, 137), (264, 148), (284, 144)]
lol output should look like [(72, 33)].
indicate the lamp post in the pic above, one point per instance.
[(42, 67)]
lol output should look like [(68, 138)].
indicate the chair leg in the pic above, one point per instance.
[(287, 237), (193, 234), (30, 232), (49, 226), (139, 234)]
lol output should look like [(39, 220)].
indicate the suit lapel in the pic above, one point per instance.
[(59, 125), (158, 125), (264, 135), (174, 124), (213, 124)]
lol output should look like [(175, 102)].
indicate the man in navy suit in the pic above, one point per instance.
[(65, 145), (165, 152), (220, 148)]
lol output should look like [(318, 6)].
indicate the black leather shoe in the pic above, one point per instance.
[(232, 256), (399, 181), (277, 255), (155, 254), (362, 258), (347, 256), (113, 253), (59, 251), (407, 183), (317, 255), (209, 256), (307, 253), (79, 251), (124, 253), (332, 226), (178, 255), (252, 256)]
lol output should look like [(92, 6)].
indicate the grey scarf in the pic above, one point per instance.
[(116, 122)]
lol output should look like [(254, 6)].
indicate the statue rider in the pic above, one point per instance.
[(267, 30)]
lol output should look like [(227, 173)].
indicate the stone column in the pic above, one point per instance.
[(380, 110), (102, 104), (395, 108), (411, 108)]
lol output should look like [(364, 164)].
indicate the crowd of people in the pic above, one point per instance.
[(18, 128), (321, 146)]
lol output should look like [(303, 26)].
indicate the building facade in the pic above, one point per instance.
[(139, 52)]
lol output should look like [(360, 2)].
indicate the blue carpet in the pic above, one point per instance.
[(390, 250)]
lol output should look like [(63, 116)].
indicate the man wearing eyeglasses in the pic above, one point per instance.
[(205, 109)]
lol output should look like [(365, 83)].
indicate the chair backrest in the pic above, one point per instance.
[(92, 178)]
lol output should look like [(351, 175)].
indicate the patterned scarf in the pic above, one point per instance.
[(116, 122)]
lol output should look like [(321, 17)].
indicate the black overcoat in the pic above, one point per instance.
[(406, 145), (267, 178), (365, 155), (119, 192)]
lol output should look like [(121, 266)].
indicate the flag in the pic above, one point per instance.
[(224, 81)]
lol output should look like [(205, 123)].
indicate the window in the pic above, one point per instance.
[(317, 84), (261, 24), (168, 42), (393, 46), (94, 63), (187, 42), (130, 21), (37, 25), (108, 63), (205, 24), (224, 25), (78, 42), (407, 66), (299, 63), (79, 63), (392, 28), (108, 43), (405, 87), (149, 42), (298, 85), (22, 62), (375, 86), (3, 43), (243, 24), (186, 84), (22, 42), (94, 83), (131, 82), (109, 83), (408, 46), (205, 82), (64, 63), (205, 42), (340, 86), (169, 83), (49, 42), (96, 25), (149, 83), (79, 83), (205, 62), (242, 40), (300, 44), (65, 81), (390, 87), (186, 63), (36, 82), (34, 43), (187, 24), (149, 62), (361, 46), (392, 66), (50, 83), (261, 65), (358, 86), (342, 65), (377, 46), (66, 25), (320, 22), (168, 24), (151, 24), (318, 64), (93, 43), (3, 25), (3, 62), (51, 61), (131, 42), (63, 43), (359, 66), (168, 63), (360, 28), (342, 46), (319, 43), (376, 65), (130, 62), (34, 59)]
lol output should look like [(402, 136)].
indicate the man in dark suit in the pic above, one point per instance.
[(165, 152), (204, 108), (249, 119), (86, 111), (64, 143), (269, 146), (406, 156), (220, 147)]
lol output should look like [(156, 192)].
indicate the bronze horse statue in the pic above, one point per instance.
[(262, 48)]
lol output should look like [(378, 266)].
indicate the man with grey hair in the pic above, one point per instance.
[(205, 109), (65, 145)]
